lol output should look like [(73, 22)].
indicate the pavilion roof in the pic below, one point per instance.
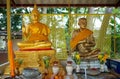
[(53, 3)]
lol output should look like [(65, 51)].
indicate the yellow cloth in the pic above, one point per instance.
[(79, 37)]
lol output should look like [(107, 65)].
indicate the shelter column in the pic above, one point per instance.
[(10, 48)]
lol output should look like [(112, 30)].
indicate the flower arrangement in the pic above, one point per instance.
[(102, 58), (18, 62), (46, 60), (76, 57)]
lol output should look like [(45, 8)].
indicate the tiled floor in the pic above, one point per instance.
[(3, 57)]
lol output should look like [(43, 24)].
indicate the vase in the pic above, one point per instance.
[(55, 68), (77, 68), (102, 67), (69, 68)]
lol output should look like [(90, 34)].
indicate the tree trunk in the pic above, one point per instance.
[(103, 29)]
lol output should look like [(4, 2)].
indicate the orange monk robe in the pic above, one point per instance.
[(79, 37)]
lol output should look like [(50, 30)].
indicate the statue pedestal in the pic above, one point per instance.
[(33, 59)]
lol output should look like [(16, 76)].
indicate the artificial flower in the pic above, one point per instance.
[(102, 58), (46, 60), (76, 57)]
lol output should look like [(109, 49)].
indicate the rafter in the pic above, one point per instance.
[(13, 3), (118, 2), (49, 3), (61, 5)]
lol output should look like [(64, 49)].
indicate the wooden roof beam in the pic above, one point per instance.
[(63, 5), (13, 3), (118, 3)]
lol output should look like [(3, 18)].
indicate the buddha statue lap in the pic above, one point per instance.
[(35, 34), (83, 41)]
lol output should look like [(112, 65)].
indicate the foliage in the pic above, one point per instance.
[(115, 55), (18, 62), (16, 19), (76, 57), (115, 32), (116, 10), (3, 19), (17, 23), (46, 60)]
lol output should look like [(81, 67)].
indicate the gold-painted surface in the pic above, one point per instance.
[(35, 34), (33, 59)]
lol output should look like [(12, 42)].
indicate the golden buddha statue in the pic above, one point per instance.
[(35, 34), (83, 41), (35, 44)]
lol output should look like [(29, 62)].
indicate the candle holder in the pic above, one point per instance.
[(55, 68), (69, 68)]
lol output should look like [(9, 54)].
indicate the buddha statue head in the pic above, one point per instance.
[(35, 14)]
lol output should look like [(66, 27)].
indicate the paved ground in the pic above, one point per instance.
[(3, 57)]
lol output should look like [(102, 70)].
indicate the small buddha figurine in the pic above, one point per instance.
[(83, 41), (35, 34)]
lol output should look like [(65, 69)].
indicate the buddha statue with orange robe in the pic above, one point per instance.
[(83, 41), (35, 34)]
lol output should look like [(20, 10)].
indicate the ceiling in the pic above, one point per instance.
[(57, 3)]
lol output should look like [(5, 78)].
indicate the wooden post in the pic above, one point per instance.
[(10, 48)]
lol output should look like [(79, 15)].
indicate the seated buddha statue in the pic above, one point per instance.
[(83, 41), (35, 34)]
